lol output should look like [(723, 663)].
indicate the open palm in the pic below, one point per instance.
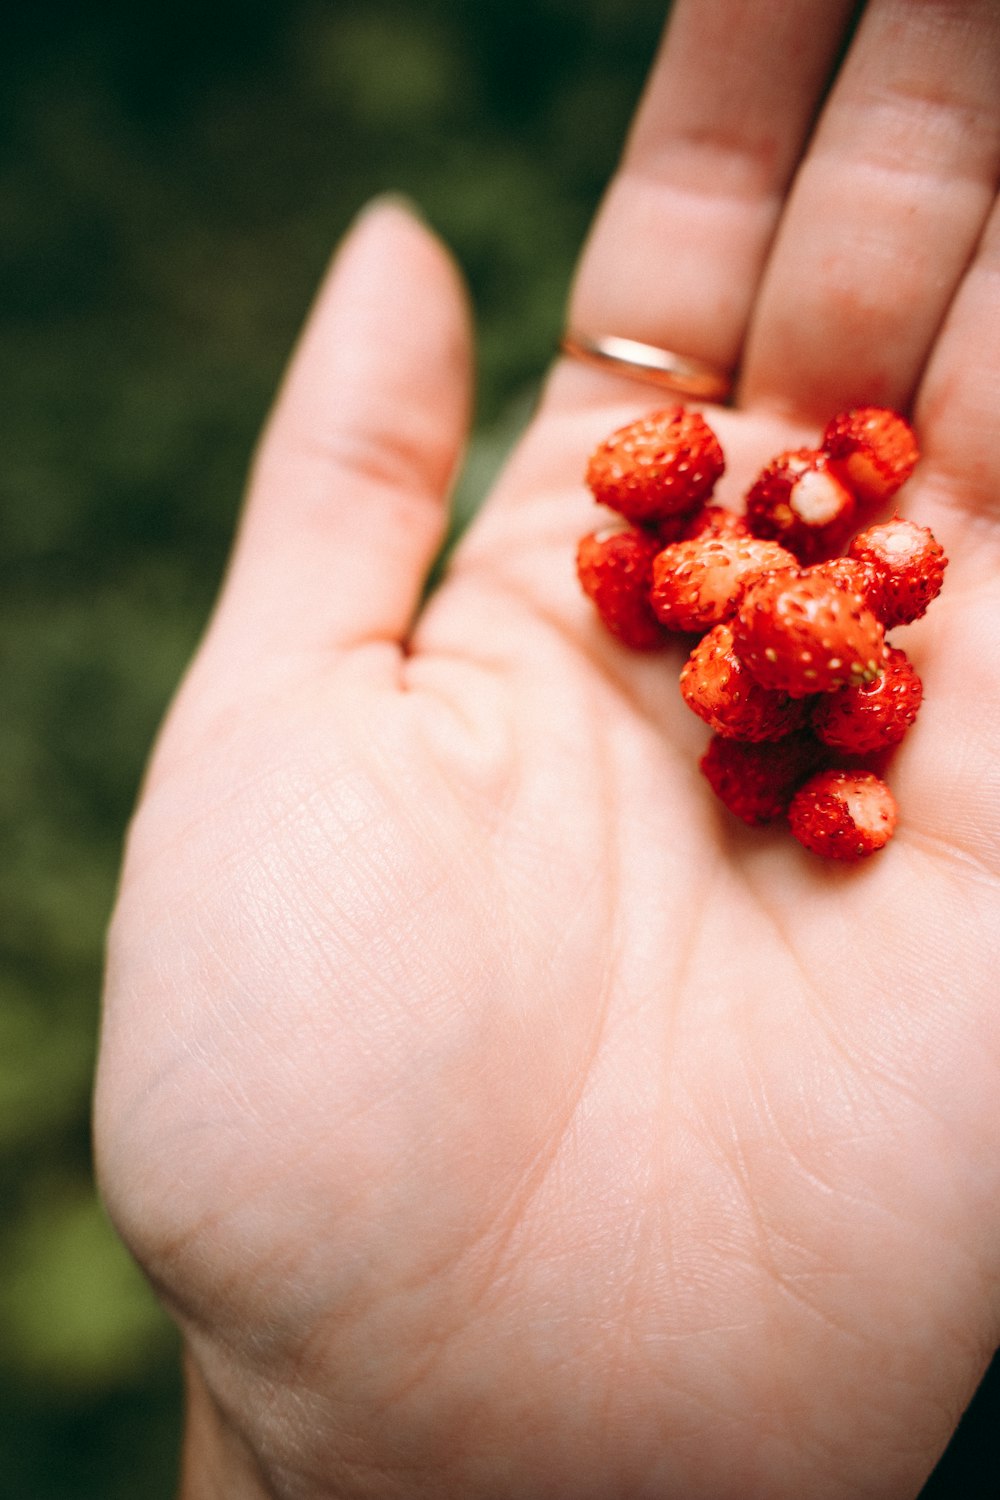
[(496, 1115)]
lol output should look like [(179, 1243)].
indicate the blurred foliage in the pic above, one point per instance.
[(172, 179)]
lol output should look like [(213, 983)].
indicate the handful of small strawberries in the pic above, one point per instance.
[(792, 669)]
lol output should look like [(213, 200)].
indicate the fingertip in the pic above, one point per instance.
[(347, 503), (392, 298)]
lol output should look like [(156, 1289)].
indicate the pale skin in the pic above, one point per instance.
[(496, 1115)]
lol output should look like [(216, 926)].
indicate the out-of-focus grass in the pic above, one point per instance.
[(172, 181)]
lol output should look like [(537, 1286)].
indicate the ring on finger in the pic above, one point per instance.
[(662, 367)]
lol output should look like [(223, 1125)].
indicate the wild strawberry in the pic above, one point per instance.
[(873, 715), (659, 466), (801, 633), (875, 448), (696, 583), (713, 520), (908, 565), (668, 528), (843, 814), (802, 503), (615, 569), (850, 573), (706, 520), (718, 688), (757, 781)]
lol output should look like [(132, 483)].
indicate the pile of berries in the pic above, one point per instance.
[(792, 669)]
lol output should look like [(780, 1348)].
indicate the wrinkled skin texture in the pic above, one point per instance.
[(496, 1116)]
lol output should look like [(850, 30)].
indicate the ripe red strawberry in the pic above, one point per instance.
[(801, 633), (718, 688), (908, 566), (801, 502), (875, 448), (713, 520), (874, 715), (850, 573), (659, 466), (843, 814), (615, 569), (696, 583), (668, 528), (757, 781)]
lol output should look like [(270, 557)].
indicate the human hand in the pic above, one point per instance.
[(496, 1117)]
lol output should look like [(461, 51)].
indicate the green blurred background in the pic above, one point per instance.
[(172, 180)]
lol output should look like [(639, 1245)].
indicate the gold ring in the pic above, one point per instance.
[(677, 372)]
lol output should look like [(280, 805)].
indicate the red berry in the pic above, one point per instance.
[(713, 520), (615, 569), (718, 688), (802, 503), (661, 465), (908, 566), (843, 814), (668, 528), (696, 583), (850, 573), (875, 448), (802, 633), (875, 714), (793, 665), (757, 781)]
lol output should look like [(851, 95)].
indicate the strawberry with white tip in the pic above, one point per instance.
[(875, 449), (800, 501), (845, 815), (906, 563)]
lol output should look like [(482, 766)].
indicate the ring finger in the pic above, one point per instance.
[(677, 248)]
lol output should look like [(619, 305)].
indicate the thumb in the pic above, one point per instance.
[(347, 503)]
